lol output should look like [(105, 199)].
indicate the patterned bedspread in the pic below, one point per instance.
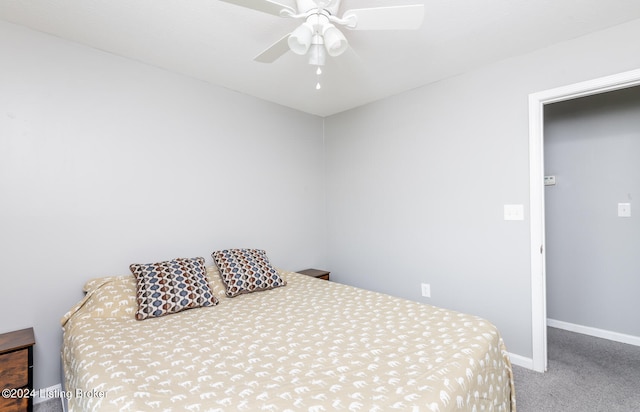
[(312, 345)]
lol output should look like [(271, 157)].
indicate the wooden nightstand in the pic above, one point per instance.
[(316, 273), (16, 370)]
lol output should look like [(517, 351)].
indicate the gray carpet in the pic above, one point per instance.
[(585, 374), (50, 405)]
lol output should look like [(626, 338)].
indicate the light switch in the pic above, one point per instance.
[(426, 290), (624, 209), (513, 212)]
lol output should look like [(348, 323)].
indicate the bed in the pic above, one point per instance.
[(312, 345)]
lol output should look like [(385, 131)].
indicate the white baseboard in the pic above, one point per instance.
[(521, 361), (598, 333), (45, 394)]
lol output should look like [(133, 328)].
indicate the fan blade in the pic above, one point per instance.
[(265, 6), (386, 18), (274, 51)]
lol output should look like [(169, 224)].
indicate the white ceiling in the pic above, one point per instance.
[(216, 41)]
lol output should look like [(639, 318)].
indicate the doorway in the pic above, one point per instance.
[(537, 101)]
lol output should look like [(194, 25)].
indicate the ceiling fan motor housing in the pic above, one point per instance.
[(330, 6)]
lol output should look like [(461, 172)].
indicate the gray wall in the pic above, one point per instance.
[(592, 145), (417, 182), (106, 162), (414, 184)]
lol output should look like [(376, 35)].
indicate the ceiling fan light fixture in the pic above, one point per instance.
[(334, 40), (317, 55), (300, 39)]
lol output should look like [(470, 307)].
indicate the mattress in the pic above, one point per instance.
[(312, 345)]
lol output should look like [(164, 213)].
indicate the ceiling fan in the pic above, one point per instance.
[(318, 35)]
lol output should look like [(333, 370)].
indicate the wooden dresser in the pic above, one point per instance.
[(16, 370)]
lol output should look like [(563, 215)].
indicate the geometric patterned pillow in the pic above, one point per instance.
[(171, 286), (246, 271)]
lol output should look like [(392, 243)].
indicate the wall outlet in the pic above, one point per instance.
[(426, 290), (513, 212), (549, 180)]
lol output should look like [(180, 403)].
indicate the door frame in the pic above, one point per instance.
[(537, 101)]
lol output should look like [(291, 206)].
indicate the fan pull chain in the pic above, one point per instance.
[(318, 73)]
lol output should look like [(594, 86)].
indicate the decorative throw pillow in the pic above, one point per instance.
[(171, 286), (246, 271)]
